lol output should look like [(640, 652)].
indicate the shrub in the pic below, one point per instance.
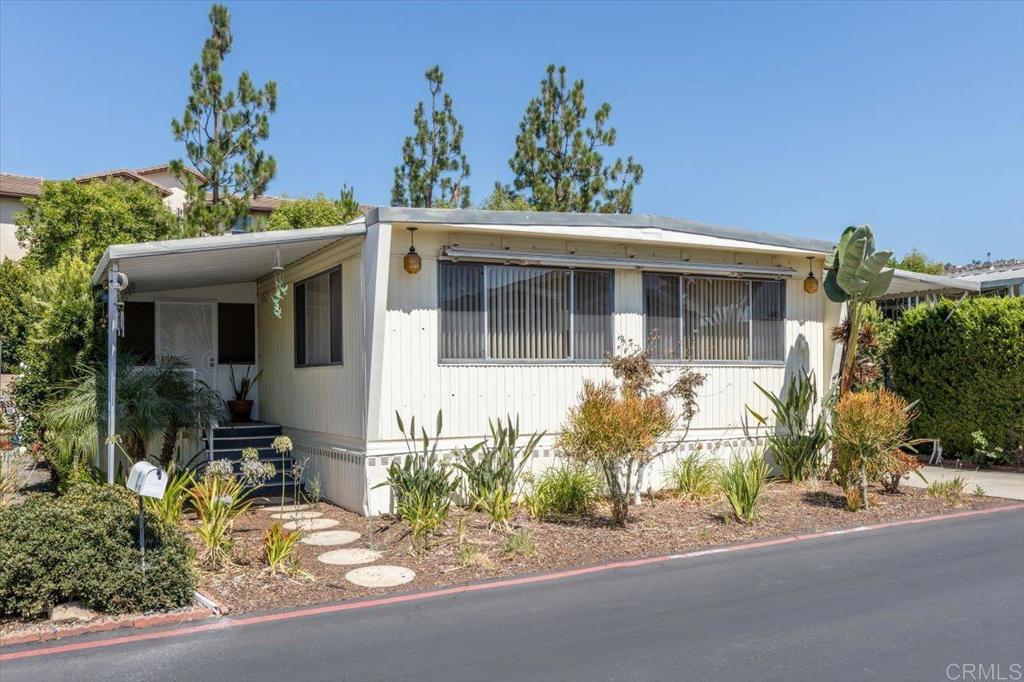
[(796, 438), (82, 546), (964, 362), (952, 490), (564, 489), (695, 477), (744, 480), (279, 549), (492, 477), (984, 454), (897, 466), (218, 501), (424, 484), (868, 429)]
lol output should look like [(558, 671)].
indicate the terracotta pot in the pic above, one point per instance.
[(240, 410), (6, 441)]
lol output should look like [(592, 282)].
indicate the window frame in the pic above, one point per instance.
[(489, 361), (330, 316), (750, 361)]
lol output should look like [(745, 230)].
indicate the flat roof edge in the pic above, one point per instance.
[(443, 216)]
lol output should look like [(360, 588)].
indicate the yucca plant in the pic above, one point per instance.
[(218, 501), (797, 435), (171, 506), (744, 480), (279, 549), (424, 484), (695, 477), (492, 477)]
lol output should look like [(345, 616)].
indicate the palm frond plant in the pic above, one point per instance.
[(797, 431)]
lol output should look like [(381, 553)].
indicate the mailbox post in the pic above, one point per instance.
[(146, 480)]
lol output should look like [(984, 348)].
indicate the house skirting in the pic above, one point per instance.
[(357, 480)]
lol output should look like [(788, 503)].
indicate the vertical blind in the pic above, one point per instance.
[(700, 318), (502, 312)]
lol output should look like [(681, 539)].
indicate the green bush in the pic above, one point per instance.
[(568, 488), (964, 362), (82, 546)]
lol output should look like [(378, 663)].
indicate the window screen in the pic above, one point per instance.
[(139, 337), (503, 312), (702, 318)]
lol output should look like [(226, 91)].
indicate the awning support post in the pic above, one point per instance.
[(113, 320)]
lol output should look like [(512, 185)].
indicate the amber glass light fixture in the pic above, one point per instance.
[(811, 282), (412, 262)]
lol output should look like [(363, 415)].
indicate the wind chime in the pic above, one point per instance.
[(280, 288)]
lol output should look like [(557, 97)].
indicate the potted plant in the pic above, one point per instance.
[(241, 407)]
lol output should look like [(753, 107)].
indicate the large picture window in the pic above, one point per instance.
[(506, 312), (707, 319), (318, 320)]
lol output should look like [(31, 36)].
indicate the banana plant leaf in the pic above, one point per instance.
[(834, 292), (860, 271)]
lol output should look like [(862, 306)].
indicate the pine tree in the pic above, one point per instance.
[(558, 160), (221, 130), (434, 169)]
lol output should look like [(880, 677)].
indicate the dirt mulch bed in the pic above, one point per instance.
[(665, 527)]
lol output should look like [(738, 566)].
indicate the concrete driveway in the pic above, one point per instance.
[(995, 483)]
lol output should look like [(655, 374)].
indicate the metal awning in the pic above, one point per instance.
[(579, 261), (907, 283), (206, 261)]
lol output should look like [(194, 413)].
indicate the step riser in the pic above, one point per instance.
[(239, 442), (236, 453), (247, 431)]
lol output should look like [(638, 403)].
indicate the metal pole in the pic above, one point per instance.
[(112, 322), (142, 533)]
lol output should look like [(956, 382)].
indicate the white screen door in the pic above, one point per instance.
[(187, 329)]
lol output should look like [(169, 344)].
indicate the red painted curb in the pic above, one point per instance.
[(103, 626), (478, 587)]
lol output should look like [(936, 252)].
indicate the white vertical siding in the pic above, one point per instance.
[(326, 403), (415, 382)]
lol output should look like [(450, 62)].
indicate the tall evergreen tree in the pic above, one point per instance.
[(558, 161), (434, 169), (221, 130)]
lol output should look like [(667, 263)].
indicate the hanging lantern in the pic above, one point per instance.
[(412, 262), (811, 282)]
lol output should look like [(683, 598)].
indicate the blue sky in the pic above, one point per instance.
[(796, 118)]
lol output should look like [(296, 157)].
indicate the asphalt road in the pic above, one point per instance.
[(919, 603)]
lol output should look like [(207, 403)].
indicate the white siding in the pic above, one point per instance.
[(415, 383), (316, 404)]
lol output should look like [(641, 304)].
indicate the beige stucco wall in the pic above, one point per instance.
[(9, 247)]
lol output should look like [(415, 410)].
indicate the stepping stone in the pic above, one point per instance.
[(311, 524), (297, 515), (326, 538), (380, 576), (347, 557)]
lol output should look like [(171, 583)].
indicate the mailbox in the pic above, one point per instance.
[(147, 480)]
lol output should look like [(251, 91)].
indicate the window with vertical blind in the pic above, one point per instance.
[(317, 304), (516, 313), (709, 319)]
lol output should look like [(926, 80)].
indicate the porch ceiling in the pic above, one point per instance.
[(206, 261)]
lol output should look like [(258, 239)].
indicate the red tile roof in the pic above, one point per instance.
[(124, 174)]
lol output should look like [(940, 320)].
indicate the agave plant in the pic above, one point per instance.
[(856, 273)]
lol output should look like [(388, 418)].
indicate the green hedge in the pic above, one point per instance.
[(967, 371), (82, 546)]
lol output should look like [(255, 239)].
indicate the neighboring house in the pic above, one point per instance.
[(499, 313), (1002, 279), (15, 188)]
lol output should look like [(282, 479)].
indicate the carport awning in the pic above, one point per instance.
[(907, 283), (206, 261)]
